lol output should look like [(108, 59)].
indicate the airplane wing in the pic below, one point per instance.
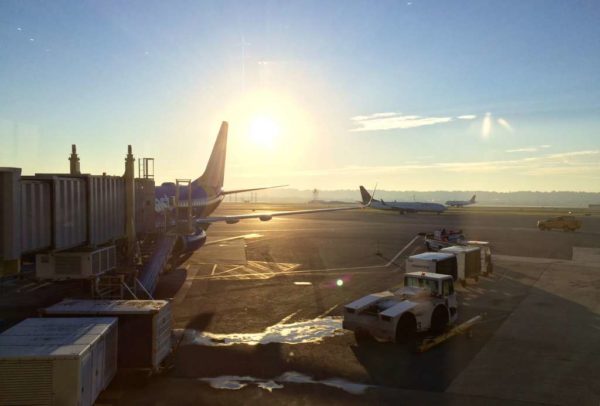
[(228, 192), (266, 216)]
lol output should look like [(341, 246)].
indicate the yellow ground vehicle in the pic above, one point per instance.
[(566, 223)]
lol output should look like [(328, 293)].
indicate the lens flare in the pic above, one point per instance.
[(486, 127)]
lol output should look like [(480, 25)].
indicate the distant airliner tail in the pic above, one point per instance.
[(214, 174), (472, 199), (366, 196)]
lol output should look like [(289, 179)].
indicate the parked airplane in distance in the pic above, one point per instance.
[(401, 207), (460, 203), (207, 193)]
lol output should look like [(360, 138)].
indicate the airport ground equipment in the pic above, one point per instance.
[(427, 302), (441, 239), (57, 361), (487, 267), (83, 264), (433, 262), (468, 261), (462, 328), (144, 327), (565, 223)]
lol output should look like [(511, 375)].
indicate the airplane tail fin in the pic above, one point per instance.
[(366, 196), (473, 199), (214, 173)]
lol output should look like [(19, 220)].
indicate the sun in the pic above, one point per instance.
[(263, 131)]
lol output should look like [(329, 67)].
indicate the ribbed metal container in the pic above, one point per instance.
[(144, 326), (36, 225), (57, 361), (69, 212), (106, 221), (9, 213)]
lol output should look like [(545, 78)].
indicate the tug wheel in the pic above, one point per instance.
[(439, 320), (406, 329)]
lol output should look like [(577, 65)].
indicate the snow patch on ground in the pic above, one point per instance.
[(233, 382), (308, 331)]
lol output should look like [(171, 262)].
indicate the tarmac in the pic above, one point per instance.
[(257, 313)]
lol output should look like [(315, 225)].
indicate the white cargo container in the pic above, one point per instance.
[(486, 255), (144, 326), (57, 361), (433, 262), (75, 265), (468, 261)]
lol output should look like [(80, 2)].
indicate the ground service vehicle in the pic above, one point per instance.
[(566, 223), (427, 302), (486, 255), (433, 262), (441, 238), (468, 261)]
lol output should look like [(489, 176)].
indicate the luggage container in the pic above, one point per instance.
[(433, 262), (468, 261), (486, 255), (57, 361), (75, 265), (144, 327)]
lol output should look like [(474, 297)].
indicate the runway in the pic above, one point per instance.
[(259, 317)]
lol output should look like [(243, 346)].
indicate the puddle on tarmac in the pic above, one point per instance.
[(238, 382), (301, 332)]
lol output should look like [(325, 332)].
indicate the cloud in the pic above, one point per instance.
[(505, 124), (392, 121), (573, 162), (529, 149)]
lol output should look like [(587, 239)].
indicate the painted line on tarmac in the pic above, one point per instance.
[(325, 313), (182, 293), (402, 250), (238, 237), (366, 269), (358, 269)]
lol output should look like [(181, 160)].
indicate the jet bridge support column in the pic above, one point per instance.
[(130, 205), (74, 161)]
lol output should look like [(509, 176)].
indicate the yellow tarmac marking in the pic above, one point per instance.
[(327, 311), (245, 236)]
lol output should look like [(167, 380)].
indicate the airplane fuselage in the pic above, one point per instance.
[(408, 207), (205, 200), (458, 203)]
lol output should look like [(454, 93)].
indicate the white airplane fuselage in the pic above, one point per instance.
[(408, 207)]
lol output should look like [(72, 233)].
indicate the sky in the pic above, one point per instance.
[(412, 95)]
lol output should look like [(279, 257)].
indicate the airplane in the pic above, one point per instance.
[(207, 193), (400, 207), (460, 203)]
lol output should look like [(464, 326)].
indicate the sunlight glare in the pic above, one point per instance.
[(263, 131), (486, 127)]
